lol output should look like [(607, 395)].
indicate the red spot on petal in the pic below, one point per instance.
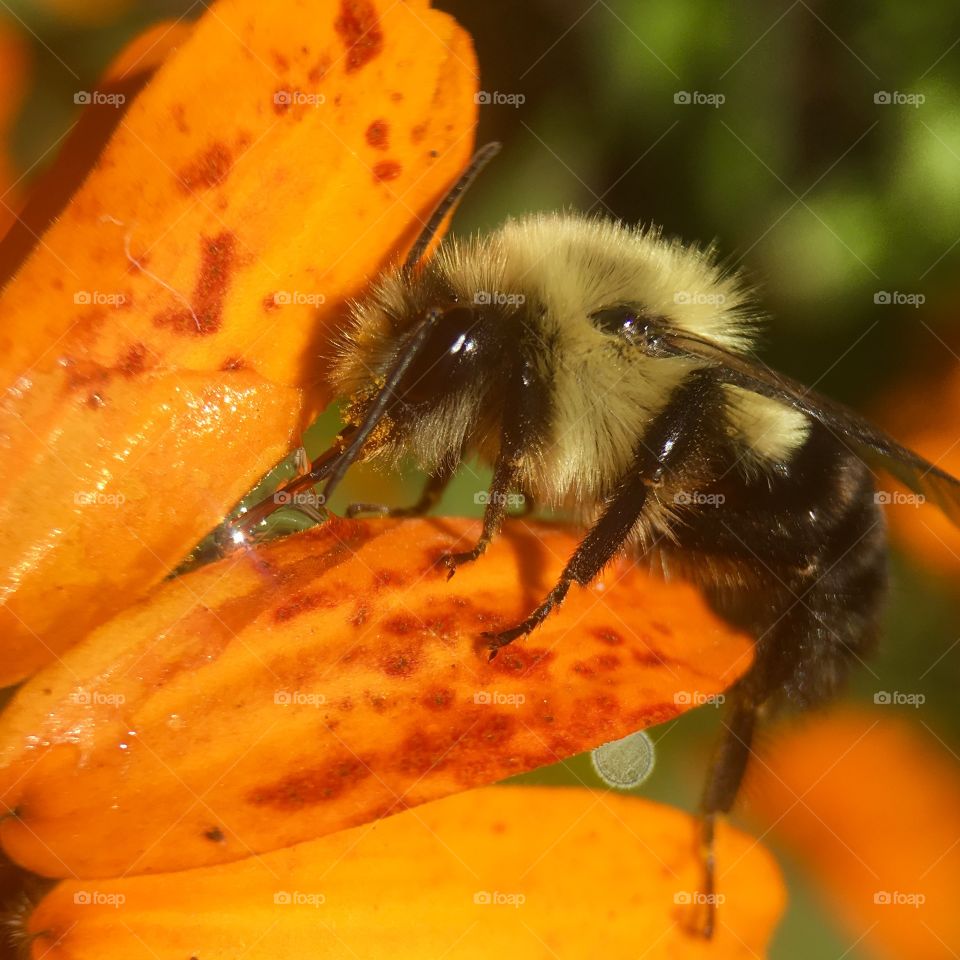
[(209, 169), (359, 27), (378, 134), (403, 663), (439, 698), (217, 255), (134, 361), (179, 113), (386, 170), (311, 787), (388, 578)]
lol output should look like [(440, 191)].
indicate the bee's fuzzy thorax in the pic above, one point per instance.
[(541, 277)]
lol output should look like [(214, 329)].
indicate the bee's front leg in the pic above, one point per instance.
[(504, 478), (526, 407)]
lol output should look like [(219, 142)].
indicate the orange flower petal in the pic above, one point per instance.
[(513, 872), (77, 548), (329, 679), (246, 185), (872, 806), (129, 73), (926, 419)]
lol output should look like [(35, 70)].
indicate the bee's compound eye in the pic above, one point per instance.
[(445, 358), (623, 321)]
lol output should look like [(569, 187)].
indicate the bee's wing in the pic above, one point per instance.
[(871, 444)]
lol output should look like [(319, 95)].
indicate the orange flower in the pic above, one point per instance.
[(278, 158), (871, 805), (925, 417), (520, 873)]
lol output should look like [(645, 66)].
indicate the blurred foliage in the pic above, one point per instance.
[(825, 194)]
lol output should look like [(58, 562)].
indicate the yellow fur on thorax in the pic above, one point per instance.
[(566, 267)]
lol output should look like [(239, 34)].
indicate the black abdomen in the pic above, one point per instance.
[(797, 558)]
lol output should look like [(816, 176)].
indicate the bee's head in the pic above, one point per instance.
[(423, 357)]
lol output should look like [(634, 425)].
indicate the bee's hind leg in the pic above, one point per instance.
[(720, 791)]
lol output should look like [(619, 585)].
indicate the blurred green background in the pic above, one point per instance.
[(820, 149)]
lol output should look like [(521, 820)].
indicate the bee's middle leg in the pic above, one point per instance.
[(605, 539), (668, 443)]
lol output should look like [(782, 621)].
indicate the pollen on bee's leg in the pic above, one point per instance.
[(355, 510), (301, 461)]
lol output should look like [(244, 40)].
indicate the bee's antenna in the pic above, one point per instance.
[(380, 402), (480, 159)]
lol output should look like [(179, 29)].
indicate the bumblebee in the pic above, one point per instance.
[(603, 370)]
